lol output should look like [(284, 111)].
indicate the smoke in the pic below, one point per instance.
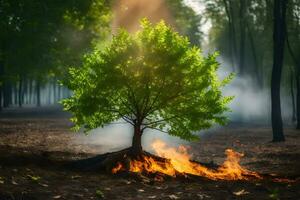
[(119, 136), (251, 104)]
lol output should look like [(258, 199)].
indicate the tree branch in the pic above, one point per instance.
[(158, 121), (154, 129)]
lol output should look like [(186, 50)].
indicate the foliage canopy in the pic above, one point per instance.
[(152, 79), (38, 37)]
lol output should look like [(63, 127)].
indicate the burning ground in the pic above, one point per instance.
[(33, 151)]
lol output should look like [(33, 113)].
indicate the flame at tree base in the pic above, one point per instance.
[(178, 161)]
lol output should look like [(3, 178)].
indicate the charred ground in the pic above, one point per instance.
[(35, 149)]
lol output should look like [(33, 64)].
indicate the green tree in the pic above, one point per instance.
[(40, 37), (187, 22), (153, 79), (242, 32)]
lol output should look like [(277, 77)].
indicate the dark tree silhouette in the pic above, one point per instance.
[(279, 29)]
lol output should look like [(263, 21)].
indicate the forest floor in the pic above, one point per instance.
[(33, 144)]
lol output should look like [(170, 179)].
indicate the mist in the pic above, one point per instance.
[(251, 104), (115, 137)]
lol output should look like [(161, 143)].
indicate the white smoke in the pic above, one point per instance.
[(251, 104), (119, 136)]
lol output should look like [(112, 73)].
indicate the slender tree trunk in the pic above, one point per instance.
[(24, 91), (30, 92), (59, 92), (233, 32), (2, 68), (54, 92), (15, 94), (38, 93), (293, 96), (136, 147), (278, 54), (1, 83), (49, 93), (0, 98), (10, 94), (20, 92), (253, 49), (298, 101), (230, 35), (242, 36), (5, 94)]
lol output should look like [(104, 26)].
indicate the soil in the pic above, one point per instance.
[(35, 145)]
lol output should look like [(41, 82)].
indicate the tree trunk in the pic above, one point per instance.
[(298, 101), (136, 147), (54, 92), (242, 37), (1, 82), (230, 35), (49, 93), (25, 92), (254, 54), (20, 92), (6, 94), (38, 94), (293, 96), (15, 94), (30, 91), (233, 32), (278, 53), (297, 70), (59, 92)]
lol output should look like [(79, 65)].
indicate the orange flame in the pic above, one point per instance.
[(117, 168), (180, 162)]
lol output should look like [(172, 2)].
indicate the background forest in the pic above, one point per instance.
[(41, 39)]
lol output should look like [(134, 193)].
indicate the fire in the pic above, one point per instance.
[(179, 161), (117, 168)]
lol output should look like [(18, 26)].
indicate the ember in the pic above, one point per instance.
[(179, 161)]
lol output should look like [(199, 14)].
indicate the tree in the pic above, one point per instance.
[(241, 32), (242, 10), (187, 22), (293, 47), (231, 29), (279, 30), (39, 37), (153, 79)]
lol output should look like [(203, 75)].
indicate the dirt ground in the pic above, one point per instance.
[(35, 144)]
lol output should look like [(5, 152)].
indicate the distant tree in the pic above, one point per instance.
[(242, 21), (293, 49), (228, 6), (38, 38), (241, 31), (187, 22), (279, 31), (153, 79)]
